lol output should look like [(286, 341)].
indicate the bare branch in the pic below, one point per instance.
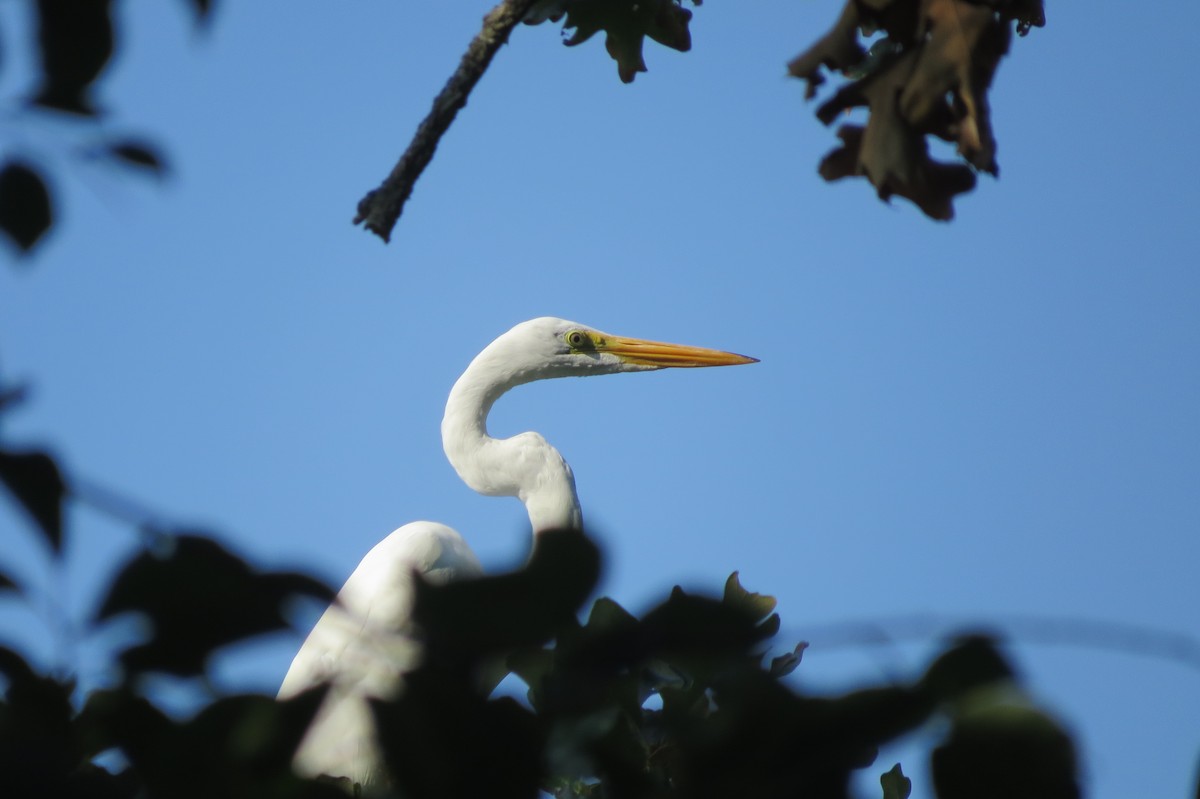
[(381, 207)]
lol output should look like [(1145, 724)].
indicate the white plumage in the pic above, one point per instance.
[(363, 644)]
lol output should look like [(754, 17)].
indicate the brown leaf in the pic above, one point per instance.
[(838, 49), (929, 76)]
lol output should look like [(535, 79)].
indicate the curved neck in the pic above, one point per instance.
[(524, 466)]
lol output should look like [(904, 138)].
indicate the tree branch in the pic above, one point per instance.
[(381, 207)]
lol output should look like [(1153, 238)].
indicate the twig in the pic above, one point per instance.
[(1096, 634), (381, 207)]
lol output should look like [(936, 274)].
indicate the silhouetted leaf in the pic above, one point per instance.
[(199, 597), (138, 154), (973, 662), (1001, 746), (8, 584), (466, 621), (12, 397), (443, 741), (626, 25), (39, 749), (608, 615), (76, 41), (1000, 743), (785, 664), (895, 784), (35, 482), (203, 9), (238, 746), (25, 212)]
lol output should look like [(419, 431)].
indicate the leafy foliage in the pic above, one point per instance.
[(34, 480), (74, 44), (25, 208), (927, 76), (198, 597), (680, 702), (723, 723), (626, 26), (895, 784)]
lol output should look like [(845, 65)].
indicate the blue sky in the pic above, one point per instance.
[(981, 421)]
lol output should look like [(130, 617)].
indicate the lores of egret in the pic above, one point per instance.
[(363, 644)]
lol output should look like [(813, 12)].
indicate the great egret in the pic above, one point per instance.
[(363, 644)]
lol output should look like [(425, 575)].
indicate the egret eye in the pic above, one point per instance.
[(578, 340)]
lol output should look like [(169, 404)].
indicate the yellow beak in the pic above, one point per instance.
[(656, 353)]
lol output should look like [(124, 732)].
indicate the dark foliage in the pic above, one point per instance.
[(25, 209), (134, 153), (927, 76), (75, 38), (724, 725), (626, 26), (198, 597), (34, 480), (74, 45), (681, 702)]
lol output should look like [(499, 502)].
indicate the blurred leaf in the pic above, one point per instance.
[(8, 584), (442, 741), (895, 784), (203, 9), (36, 483), (199, 597), (973, 662), (786, 664), (1001, 746), (239, 746), (608, 615), (532, 666), (137, 154), (25, 211), (39, 749), (12, 397), (466, 621), (76, 41)]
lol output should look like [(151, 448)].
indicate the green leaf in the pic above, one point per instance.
[(895, 784), (626, 26), (34, 480), (607, 614), (1005, 748), (758, 606), (25, 211)]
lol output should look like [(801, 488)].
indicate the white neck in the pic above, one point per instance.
[(524, 466)]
